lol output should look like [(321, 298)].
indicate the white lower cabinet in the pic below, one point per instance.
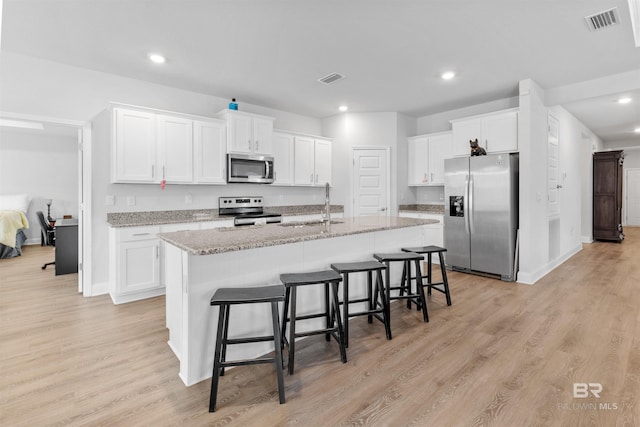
[(135, 254), (135, 264)]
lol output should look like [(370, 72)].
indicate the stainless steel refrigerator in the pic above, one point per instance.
[(481, 214)]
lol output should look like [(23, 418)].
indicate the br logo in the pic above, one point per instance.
[(582, 390)]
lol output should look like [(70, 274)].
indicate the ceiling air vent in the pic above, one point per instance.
[(603, 20), (331, 78)]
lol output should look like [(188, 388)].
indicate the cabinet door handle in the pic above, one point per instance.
[(163, 171), (311, 178), (257, 145), (157, 251), (140, 234), (486, 144), (316, 178), (153, 171), (249, 145)]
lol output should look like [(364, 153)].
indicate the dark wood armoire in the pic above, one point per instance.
[(607, 195)]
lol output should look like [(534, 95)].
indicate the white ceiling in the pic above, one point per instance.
[(271, 52)]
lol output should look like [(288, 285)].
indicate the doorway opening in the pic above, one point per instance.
[(49, 159)]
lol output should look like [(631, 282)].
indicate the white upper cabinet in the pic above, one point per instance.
[(500, 132), (282, 158), (304, 157), (248, 133), (418, 160), (322, 161), (175, 149), (426, 158), (209, 152), (496, 133), (463, 132), (440, 148), (311, 160), (134, 146), (148, 147)]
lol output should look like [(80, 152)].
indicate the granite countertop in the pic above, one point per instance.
[(422, 208), (230, 239), (136, 219)]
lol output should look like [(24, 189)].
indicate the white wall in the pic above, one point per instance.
[(44, 88), (44, 166), (575, 166), (532, 143)]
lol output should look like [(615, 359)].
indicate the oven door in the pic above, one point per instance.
[(248, 168)]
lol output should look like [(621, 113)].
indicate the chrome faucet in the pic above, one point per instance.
[(326, 213)]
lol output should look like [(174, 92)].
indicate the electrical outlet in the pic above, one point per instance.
[(188, 199), (110, 200), (131, 200)]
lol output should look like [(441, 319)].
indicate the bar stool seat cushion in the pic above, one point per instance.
[(356, 267), (425, 249), (310, 278), (248, 295), (398, 256)]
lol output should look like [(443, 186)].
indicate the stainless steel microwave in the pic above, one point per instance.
[(249, 168)]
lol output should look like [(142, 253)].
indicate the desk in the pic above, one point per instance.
[(66, 232)]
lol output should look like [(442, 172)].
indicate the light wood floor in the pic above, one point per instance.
[(504, 354)]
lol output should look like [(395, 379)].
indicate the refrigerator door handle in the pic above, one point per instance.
[(467, 208), (471, 207)]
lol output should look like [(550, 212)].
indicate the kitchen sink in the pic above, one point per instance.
[(299, 224)]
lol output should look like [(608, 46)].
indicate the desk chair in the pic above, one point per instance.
[(47, 235)]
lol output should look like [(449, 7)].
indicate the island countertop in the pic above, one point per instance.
[(230, 239)]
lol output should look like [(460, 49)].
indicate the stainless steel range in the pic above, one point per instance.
[(247, 210)]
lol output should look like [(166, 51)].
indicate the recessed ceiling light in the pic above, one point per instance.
[(343, 108), (637, 130), (624, 100), (448, 75), (158, 59)]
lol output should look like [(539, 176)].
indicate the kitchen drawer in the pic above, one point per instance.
[(186, 226), (130, 234), (209, 225)]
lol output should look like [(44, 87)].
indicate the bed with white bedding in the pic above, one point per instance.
[(13, 221)]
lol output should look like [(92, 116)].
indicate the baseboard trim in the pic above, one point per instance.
[(530, 278), (99, 289)]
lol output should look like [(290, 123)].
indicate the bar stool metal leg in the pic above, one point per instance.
[(217, 361), (385, 304), (343, 352), (292, 329), (278, 349), (423, 300), (444, 278)]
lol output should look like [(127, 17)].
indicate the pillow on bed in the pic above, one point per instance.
[(14, 202)]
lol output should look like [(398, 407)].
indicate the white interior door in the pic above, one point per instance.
[(553, 164), (371, 181), (633, 197)]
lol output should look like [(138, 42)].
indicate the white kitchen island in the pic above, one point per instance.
[(198, 262)]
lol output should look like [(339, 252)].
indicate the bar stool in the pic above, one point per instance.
[(378, 307), (225, 297), (291, 283), (405, 285), (429, 250)]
